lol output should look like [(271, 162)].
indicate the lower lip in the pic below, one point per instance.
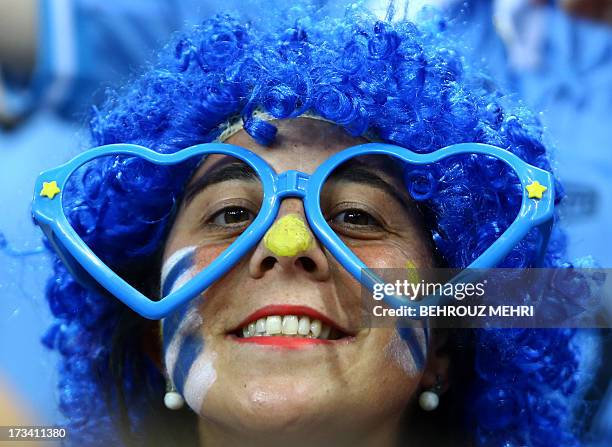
[(283, 342)]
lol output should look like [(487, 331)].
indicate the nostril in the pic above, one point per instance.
[(267, 264), (308, 264)]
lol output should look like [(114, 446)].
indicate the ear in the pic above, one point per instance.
[(436, 372)]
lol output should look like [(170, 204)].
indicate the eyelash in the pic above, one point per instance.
[(375, 227), (227, 210), (208, 220)]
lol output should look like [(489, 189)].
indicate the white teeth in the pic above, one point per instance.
[(315, 327), (325, 330), (304, 326), (273, 325), (260, 326), (290, 325)]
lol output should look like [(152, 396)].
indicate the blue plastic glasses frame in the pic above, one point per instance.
[(90, 270)]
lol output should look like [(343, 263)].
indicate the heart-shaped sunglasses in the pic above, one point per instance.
[(536, 210)]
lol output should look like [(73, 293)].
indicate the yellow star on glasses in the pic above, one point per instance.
[(535, 190), (49, 189)]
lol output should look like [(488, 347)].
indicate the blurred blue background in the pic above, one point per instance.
[(555, 59)]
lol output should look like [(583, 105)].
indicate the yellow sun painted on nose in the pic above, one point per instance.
[(288, 236)]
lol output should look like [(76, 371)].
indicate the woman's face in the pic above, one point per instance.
[(353, 380)]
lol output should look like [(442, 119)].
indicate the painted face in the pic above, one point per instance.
[(276, 347)]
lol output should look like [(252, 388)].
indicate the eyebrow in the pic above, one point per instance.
[(354, 171), (218, 174), (359, 172)]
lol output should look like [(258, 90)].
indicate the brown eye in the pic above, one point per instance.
[(355, 217), (232, 215)]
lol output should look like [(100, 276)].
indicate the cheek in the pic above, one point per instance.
[(380, 256), (189, 363), (389, 360), (207, 254), (408, 349), (185, 263), (408, 346)]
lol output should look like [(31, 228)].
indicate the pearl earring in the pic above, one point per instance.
[(172, 399), (430, 399)]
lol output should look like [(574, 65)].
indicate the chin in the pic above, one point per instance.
[(284, 407)]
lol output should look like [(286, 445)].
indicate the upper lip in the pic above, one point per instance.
[(290, 309)]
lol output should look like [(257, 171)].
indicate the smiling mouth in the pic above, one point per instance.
[(287, 325)]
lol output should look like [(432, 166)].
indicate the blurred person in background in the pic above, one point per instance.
[(599, 10), (58, 55)]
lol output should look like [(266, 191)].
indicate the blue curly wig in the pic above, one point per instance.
[(401, 82)]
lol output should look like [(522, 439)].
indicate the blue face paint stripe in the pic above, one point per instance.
[(190, 350), (409, 336), (171, 324), (177, 270)]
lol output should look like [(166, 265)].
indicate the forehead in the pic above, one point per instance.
[(301, 144)]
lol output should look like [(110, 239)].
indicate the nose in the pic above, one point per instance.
[(290, 246)]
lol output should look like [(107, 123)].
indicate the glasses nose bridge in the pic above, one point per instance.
[(292, 183)]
